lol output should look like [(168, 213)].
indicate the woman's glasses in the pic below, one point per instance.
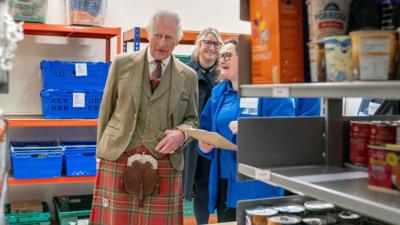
[(208, 44)]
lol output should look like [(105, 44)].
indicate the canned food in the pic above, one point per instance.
[(338, 59), (359, 151), (328, 18), (360, 129), (259, 215), (319, 220), (317, 61), (383, 133), (349, 218), (284, 220), (318, 207), (397, 125), (384, 168), (374, 54), (291, 208)]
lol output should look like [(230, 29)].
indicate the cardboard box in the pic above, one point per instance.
[(26, 206), (277, 41)]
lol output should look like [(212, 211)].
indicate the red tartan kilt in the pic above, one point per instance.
[(113, 206)]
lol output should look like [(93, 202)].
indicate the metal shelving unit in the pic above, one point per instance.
[(347, 188), (376, 89)]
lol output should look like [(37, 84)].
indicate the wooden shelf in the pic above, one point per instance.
[(60, 180), (189, 37), (39, 121), (76, 32)]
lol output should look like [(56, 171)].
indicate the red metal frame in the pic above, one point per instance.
[(77, 32)]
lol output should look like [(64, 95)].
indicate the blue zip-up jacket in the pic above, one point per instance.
[(280, 107)]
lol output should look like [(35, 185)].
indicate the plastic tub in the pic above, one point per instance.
[(374, 54), (338, 58), (28, 10), (317, 61), (86, 12)]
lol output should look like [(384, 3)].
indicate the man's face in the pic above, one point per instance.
[(163, 39)]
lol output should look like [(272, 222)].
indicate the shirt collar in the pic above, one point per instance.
[(229, 88), (150, 58)]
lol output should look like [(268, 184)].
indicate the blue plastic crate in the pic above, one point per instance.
[(36, 159), (69, 104), (80, 158), (64, 75)]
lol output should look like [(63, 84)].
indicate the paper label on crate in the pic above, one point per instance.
[(372, 107), (81, 69), (83, 222), (281, 92), (374, 67), (249, 106), (78, 100), (374, 46)]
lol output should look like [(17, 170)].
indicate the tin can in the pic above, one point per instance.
[(318, 207), (338, 59), (328, 18), (284, 220), (319, 220), (383, 133), (360, 129), (291, 208), (317, 61), (374, 54), (397, 125), (349, 218), (359, 151), (259, 215), (384, 168)]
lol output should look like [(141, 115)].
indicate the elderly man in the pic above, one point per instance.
[(148, 95)]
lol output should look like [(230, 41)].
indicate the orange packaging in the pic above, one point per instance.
[(277, 41)]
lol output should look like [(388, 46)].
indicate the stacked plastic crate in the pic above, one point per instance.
[(72, 90)]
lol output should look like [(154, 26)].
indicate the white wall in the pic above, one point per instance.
[(25, 81)]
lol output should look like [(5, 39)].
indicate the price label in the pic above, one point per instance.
[(281, 92), (81, 69), (262, 174), (78, 100)]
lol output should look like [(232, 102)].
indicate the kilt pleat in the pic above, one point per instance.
[(113, 206)]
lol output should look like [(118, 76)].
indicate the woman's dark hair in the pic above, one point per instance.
[(233, 41)]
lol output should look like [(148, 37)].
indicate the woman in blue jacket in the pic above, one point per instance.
[(220, 114)]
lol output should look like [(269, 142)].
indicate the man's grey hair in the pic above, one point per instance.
[(165, 14)]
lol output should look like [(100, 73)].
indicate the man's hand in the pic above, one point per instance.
[(205, 147), (234, 126), (172, 141)]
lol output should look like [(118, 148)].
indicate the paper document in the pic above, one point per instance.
[(210, 138)]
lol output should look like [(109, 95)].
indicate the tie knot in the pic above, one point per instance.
[(158, 63)]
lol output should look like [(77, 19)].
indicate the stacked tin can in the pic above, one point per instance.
[(359, 139)]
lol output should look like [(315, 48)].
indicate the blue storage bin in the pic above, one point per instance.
[(36, 159), (63, 75), (69, 104), (79, 158)]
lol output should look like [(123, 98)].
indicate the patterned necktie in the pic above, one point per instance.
[(155, 77)]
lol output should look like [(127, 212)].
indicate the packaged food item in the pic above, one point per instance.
[(317, 61), (360, 133), (328, 17), (284, 220), (349, 218), (384, 168), (277, 41), (259, 215), (382, 133), (28, 10), (291, 208), (338, 59), (318, 207), (374, 54), (86, 12), (319, 220)]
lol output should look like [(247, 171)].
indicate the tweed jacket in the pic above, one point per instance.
[(121, 100)]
